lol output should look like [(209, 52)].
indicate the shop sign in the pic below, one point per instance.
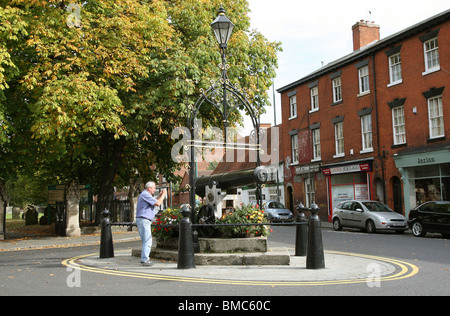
[(425, 160), (307, 169), (363, 167)]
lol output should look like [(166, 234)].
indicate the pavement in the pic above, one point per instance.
[(18, 243), (340, 268)]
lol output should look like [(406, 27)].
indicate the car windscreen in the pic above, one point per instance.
[(377, 207), (345, 205), (276, 205)]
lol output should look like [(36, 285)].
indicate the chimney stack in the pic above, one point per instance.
[(364, 33)]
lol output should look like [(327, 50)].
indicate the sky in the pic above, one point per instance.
[(320, 31)]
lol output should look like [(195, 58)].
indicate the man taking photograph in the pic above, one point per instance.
[(145, 214)]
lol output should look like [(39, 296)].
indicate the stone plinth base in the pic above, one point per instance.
[(227, 245), (225, 252), (221, 245), (276, 256)]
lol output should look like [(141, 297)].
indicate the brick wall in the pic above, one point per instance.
[(382, 96)]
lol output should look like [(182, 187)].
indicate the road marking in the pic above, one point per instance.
[(407, 270)]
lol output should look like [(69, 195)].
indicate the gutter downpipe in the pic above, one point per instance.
[(380, 157)]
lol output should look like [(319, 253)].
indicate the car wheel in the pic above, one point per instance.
[(370, 227), (417, 229), (337, 224)]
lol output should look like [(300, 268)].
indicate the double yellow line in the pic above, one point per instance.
[(406, 270)]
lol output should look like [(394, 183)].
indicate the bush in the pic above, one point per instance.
[(244, 214), (167, 217)]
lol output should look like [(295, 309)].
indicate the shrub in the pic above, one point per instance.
[(244, 214), (167, 217)]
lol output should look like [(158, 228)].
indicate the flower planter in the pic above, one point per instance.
[(170, 243), (224, 251)]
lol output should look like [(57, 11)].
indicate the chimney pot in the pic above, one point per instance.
[(364, 33)]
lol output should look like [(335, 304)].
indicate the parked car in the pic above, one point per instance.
[(276, 212), (430, 217), (369, 216)]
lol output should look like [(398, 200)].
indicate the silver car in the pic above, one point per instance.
[(369, 216), (276, 212)]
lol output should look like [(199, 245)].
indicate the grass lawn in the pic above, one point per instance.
[(18, 226)]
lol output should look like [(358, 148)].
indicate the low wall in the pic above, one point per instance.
[(221, 245), (229, 245)]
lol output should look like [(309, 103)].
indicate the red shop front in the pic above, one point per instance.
[(348, 182)]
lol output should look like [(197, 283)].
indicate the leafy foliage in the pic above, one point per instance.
[(167, 217), (244, 214), (98, 101)]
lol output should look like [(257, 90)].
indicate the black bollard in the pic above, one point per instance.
[(301, 234), (185, 242), (315, 258), (106, 240)]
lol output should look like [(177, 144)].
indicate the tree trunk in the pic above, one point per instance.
[(110, 154)]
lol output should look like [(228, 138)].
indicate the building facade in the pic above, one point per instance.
[(372, 124)]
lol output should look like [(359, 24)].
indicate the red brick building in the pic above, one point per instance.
[(373, 124)]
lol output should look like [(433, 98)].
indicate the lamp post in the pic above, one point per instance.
[(223, 28), (225, 97)]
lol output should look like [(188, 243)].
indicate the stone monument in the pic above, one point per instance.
[(72, 209)]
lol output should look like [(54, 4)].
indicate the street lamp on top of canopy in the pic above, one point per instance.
[(225, 97), (223, 28)]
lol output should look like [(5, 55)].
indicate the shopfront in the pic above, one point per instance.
[(307, 175), (348, 182), (425, 175)]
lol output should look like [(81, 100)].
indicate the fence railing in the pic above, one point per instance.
[(308, 240)]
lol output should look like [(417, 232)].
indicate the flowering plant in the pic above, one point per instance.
[(167, 217), (244, 214)]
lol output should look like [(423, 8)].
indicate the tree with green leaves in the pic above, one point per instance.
[(92, 90)]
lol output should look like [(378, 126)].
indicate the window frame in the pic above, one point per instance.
[(431, 51), (293, 107), (395, 67), (440, 117), (339, 140), (314, 92), (317, 154), (366, 133), (363, 80), (337, 89), (294, 149), (310, 190), (396, 126)]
